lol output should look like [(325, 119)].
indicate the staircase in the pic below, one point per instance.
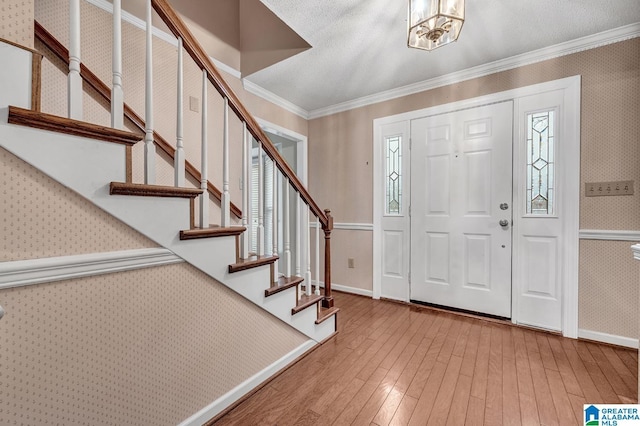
[(96, 162)]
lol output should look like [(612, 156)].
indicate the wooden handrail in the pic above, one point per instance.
[(103, 90), (177, 26)]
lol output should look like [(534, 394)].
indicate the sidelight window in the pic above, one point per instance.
[(540, 163), (393, 175)]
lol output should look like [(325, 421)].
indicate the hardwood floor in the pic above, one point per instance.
[(393, 364)]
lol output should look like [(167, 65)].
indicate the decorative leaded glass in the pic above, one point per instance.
[(393, 175), (540, 163)]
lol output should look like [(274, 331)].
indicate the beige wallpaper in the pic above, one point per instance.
[(145, 347), (608, 296), (41, 218), (16, 21)]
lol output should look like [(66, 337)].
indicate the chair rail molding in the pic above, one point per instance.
[(609, 235), (21, 273), (349, 226)]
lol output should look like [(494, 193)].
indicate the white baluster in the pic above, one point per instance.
[(317, 268), (246, 191), (307, 276), (149, 147), (298, 229), (74, 80), (178, 166), (204, 198), (225, 201), (260, 235), (274, 215), (286, 231), (298, 248), (117, 94)]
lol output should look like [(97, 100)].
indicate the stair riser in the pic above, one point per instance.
[(15, 80)]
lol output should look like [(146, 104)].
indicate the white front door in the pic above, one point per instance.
[(461, 209)]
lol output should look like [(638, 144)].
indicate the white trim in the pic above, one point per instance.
[(571, 85), (217, 406), (226, 68), (636, 251), (571, 206), (349, 226), (352, 290), (608, 338), (274, 99), (574, 46), (609, 235), (36, 271), (135, 21), (347, 289)]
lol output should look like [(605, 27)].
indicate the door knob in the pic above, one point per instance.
[(504, 222)]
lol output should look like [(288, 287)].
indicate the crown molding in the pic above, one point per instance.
[(593, 41), (274, 99), (574, 46)]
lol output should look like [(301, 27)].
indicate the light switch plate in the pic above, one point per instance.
[(598, 189)]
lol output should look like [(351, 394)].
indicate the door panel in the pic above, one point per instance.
[(461, 173)]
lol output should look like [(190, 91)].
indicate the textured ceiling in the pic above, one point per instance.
[(359, 46)]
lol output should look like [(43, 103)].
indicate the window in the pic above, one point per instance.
[(393, 175), (540, 184)]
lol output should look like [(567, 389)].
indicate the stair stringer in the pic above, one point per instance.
[(87, 167)]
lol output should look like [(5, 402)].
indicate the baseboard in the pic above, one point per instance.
[(50, 269), (347, 289), (217, 406), (608, 338)]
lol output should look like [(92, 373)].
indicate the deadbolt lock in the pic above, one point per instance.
[(504, 206)]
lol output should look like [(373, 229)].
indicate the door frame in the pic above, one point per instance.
[(570, 184), (302, 170)]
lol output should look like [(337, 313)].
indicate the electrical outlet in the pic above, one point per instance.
[(597, 189), (194, 104), (351, 262)]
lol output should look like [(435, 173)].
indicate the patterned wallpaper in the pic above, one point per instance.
[(16, 21), (41, 218), (145, 347), (607, 304)]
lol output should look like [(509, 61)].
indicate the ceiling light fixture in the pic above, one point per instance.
[(434, 23)]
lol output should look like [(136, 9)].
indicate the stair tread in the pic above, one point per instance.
[(305, 301), (55, 123), (211, 231), (140, 189), (326, 313), (283, 284), (251, 262)]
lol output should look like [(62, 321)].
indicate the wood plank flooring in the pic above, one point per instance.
[(393, 364)]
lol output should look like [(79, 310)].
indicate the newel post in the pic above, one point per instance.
[(327, 302)]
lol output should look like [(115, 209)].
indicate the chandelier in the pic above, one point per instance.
[(434, 23)]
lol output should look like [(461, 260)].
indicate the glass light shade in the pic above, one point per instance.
[(434, 23)]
